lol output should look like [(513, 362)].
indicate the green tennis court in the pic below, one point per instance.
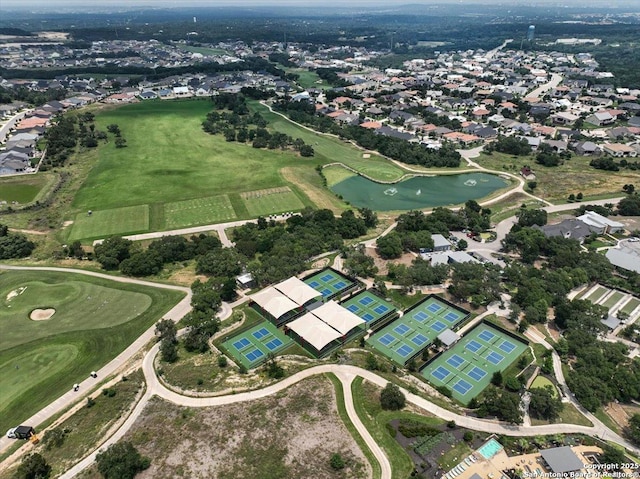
[(467, 368), (329, 283), (252, 347), (369, 307), (630, 306), (407, 336)]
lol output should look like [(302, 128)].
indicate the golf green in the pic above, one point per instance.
[(94, 320)]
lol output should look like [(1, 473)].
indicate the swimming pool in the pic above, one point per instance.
[(490, 449)]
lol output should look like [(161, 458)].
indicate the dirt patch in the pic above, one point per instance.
[(618, 414), (290, 434), (42, 314), (321, 263), (382, 264)]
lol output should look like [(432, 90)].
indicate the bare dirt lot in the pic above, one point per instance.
[(292, 434)]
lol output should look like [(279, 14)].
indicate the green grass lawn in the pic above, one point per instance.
[(200, 211), (23, 189), (174, 159), (95, 320), (541, 382), (115, 221), (308, 79), (330, 150), (632, 304), (275, 200)]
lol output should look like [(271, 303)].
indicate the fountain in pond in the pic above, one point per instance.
[(390, 191), (419, 192), (470, 182)]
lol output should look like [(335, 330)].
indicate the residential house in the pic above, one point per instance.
[(600, 224), (440, 243), (619, 150), (600, 118), (587, 148), (625, 258), (571, 228)]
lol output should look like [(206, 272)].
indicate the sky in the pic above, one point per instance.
[(84, 4)]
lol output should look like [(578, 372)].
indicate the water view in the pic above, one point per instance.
[(418, 192)]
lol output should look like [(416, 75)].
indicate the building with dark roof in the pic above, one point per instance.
[(562, 460)]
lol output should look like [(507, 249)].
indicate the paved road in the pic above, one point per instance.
[(491, 53), (4, 131), (219, 227), (555, 80), (69, 398)]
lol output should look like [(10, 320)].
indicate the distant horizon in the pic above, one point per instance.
[(53, 5)]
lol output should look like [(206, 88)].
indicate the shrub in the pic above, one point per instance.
[(337, 462), (410, 428), (121, 461), (468, 436), (222, 361)]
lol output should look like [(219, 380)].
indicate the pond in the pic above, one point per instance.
[(418, 192)]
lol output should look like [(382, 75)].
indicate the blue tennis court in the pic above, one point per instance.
[(381, 309), (367, 317), (507, 346), (473, 346), (329, 283), (434, 308), (495, 358), (455, 361), (353, 308), (365, 301), (253, 355), (273, 344), (252, 346), (421, 316), (387, 339), (486, 335), (260, 333), (440, 373), (401, 329), (462, 386), (404, 350), (477, 373), (438, 326), (243, 343), (451, 317), (419, 339)]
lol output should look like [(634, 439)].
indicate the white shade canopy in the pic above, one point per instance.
[(274, 302), (314, 331), (338, 317)]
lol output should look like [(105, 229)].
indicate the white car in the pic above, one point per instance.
[(11, 433)]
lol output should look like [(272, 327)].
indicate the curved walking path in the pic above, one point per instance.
[(346, 374), (69, 398)]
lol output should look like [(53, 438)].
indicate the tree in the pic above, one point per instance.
[(121, 461), (633, 428), (120, 142), (144, 263), (33, 466), (462, 244), (15, 246), (530, 217), (612, 455), (369, 216), (112, 251), (532, 185), (545, 403), (389, 246), (496, 379), (166, 329), (629, 206), (306, 151), (391, 398), (168, 351)]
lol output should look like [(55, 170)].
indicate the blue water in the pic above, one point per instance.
[(490, 449)]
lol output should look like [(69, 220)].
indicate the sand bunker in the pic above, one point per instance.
[(16, 292), (42, 314)]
